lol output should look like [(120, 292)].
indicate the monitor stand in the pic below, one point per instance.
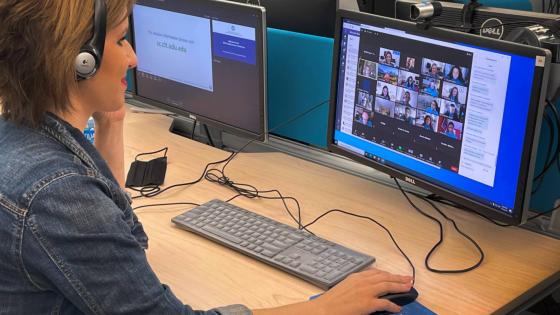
[(198, 131), (213, 136)]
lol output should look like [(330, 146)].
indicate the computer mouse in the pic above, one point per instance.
[(403, 298)]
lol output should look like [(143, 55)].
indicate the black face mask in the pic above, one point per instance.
[(150, 173)]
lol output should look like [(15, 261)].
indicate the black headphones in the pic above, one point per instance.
[(88, 60)]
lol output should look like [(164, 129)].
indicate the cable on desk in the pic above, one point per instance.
[(440, 241), (152, 191), (258, 194), (378, 224), (217, 175), (249, 191)]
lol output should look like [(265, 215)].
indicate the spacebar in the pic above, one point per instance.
[(221, 234)]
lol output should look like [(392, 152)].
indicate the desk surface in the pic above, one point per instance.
[(204, 274)]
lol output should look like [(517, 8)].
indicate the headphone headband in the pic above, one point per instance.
[(89, 59)]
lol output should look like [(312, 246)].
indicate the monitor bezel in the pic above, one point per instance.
[(262, 84), (534, 119)]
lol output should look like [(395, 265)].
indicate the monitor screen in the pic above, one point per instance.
[(203, 59), (451, 112)]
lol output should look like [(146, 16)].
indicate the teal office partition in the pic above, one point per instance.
[(508, 4), (299, 78)]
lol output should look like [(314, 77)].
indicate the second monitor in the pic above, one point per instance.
[(451, 112), (204, 60)]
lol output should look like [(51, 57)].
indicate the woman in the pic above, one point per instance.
[(451, 112), (367, 70), (410, 83), (434, 71), (405, 98), (455, 75), (454, 94), (70, 241), (385, 93), (428, 123), (388, 58), (410, 63), (432, 89), (450, 131), (433, 109)]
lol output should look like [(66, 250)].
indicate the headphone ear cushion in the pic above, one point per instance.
[(85, 64)]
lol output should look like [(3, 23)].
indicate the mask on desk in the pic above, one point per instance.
[(150, 173)]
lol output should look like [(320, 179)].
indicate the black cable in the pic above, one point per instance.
[(550, 161), (150, 153), (219, 176), (193, 129), (249, 191), (208, 135), (378, 224), (296, 117), (543, 213), (440, 241), (152, 192), (280, 197), (556, 115)]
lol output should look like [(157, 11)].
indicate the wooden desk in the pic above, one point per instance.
[(203, 274)]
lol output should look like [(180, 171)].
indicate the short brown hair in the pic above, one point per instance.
[(39, 41)]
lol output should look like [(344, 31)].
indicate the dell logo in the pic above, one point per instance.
[(410, 180), (492, 28)]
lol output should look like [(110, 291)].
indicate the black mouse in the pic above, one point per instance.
[(403, 298)]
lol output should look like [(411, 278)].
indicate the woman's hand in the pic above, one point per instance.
[(360, 292), (102, 118)]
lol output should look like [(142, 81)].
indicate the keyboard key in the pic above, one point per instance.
[(222, 234)]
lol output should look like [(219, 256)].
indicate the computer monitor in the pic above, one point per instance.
[(314, 17), (451, 112), (203, 59)]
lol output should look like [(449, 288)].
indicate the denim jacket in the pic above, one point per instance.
[(69, 240)]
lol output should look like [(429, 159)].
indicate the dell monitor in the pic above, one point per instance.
[(204, 60), (454, 113)]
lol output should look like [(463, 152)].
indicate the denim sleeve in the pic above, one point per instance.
[(78, 242)]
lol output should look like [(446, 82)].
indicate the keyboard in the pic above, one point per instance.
[(300, 253)]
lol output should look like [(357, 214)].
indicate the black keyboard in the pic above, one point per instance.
[(309, 257)]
